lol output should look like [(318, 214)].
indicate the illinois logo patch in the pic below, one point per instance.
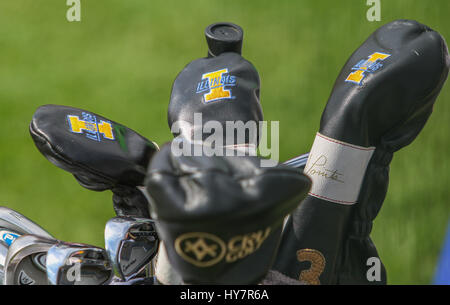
[(213, 85), (370, 65), (93, 129)]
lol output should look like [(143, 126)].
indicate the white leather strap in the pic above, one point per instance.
[(337, 169)]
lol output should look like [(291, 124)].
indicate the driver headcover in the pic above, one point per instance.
[(380, 102)]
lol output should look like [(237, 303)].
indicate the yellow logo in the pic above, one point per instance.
[(370, 65), (204, 249), (214, 83), (89, 125)]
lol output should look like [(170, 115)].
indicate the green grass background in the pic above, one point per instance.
[(121, 59)]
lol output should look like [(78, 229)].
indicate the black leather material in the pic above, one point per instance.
[(100, 153), (392, 104), (387, 109), (220, 218), (189, 90)]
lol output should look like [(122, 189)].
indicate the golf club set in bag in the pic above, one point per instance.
[(226, 219), (29, 255)]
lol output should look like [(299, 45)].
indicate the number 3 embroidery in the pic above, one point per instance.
[(311, 275)]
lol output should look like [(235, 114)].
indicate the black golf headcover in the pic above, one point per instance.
[(380, 102), (100, 153), (220, 218), (222, 88)]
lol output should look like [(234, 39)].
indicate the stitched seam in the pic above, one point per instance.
[(345, 144)]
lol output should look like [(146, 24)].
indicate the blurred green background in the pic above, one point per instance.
[(121, 59)]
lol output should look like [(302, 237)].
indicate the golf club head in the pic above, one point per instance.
[(14, 221), (78, 264), (6, 239), (3, 253), (25, 260), (131, 244), (224, 37)]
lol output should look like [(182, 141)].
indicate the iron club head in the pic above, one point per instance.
[(131, 244), (12, 225), (78, 264), (25, 261)]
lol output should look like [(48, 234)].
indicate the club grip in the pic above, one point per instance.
[(224, 37)]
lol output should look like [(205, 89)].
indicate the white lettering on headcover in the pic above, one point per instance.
[(337, 169)]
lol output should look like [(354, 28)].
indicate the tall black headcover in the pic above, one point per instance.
[(380, 101), (99, 152)]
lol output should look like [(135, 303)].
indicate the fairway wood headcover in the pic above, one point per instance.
[(380, 102), (220, 218), (100, 153), (223, 89)]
